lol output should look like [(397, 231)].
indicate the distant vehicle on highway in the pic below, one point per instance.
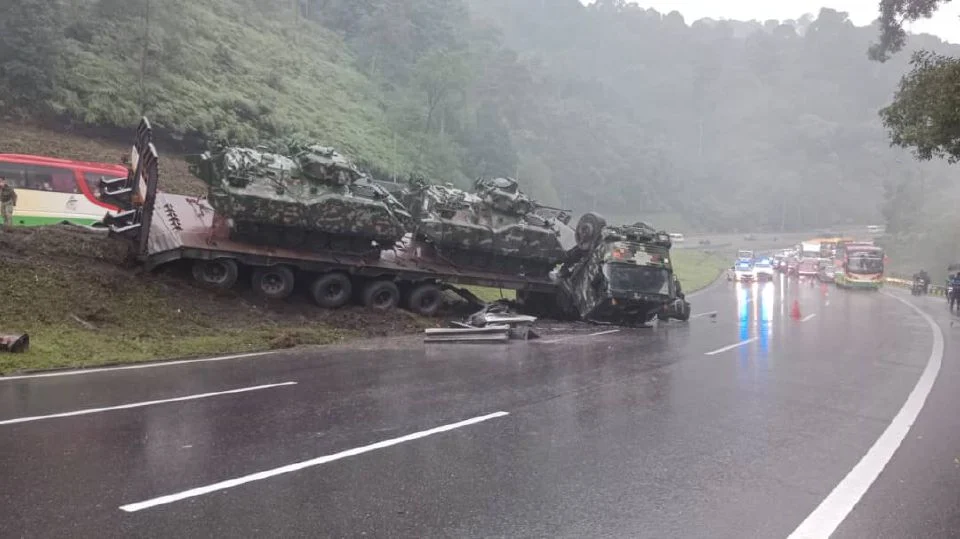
[(51, 190), (763, 269), (704, 242), (677, 237), (750, 237), (827, 273), (745, 254), (875, 229), (743, 270), (793, 265)]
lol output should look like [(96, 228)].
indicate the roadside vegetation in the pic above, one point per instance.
[(69, 291), (554, 92), (697, 269)]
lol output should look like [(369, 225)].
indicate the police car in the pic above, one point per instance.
[(743, 270), (763, 269)]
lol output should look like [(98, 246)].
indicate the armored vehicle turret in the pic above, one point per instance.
[(308, 197), (497, 226)]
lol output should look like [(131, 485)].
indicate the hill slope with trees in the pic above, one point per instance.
[(614, 108)]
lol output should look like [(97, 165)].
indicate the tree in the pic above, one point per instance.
[(925, 113), (440, 76), (30, 40), (893, 14)]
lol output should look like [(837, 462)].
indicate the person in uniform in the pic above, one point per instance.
[(8, 200)]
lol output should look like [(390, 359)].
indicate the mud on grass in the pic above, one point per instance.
[(69, 289)]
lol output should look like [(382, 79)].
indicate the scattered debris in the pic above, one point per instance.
[(15, 344), (495, 322), (467, 335)]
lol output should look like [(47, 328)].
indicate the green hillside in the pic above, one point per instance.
[(719, 125)]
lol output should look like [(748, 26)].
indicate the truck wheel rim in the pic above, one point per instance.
[(214, 272), (272, 283)]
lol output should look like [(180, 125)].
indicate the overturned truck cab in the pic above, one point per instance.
[(618, 275)]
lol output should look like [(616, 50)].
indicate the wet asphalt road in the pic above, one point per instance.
[(672, 431)]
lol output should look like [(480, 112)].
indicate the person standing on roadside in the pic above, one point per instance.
[(8, 200)]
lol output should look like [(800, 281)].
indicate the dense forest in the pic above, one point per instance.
[(612, 107)]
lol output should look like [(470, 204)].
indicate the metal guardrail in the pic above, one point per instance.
[(933, 290)]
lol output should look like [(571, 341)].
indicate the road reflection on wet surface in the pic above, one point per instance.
[(733, 425)]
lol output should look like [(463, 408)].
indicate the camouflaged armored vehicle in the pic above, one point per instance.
[(308, 197), (617, 274), (496, 227)]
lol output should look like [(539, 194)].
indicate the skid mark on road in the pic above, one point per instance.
[(142, 404), (825, 519), (731, 347), (223, 485)]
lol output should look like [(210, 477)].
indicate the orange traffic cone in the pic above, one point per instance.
[(795, 312)]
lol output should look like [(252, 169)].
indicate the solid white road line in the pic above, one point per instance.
[(704, 314), (141, 404), (194, 492), (731, 347), (128, 367), (832, 511), (808, 317), (603, 333)]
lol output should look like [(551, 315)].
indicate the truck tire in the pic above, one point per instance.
[(273, 282), (381, 295), (425, 299), (684, 314), (220, 273), (589, 228), (332, 290)]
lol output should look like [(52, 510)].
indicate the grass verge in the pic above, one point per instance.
[(491, 294), (65, 288), (697, 269)]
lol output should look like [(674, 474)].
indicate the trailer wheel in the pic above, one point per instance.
[(381, 295), (273, 282), (425, 299), (332, 290), (217, 273)]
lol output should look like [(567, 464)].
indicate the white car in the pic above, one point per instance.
[(763, 270), (743, 271)]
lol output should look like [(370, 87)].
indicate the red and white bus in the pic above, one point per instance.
[(51, 190)]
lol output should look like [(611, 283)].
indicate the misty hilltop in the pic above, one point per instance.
[(613, 108)]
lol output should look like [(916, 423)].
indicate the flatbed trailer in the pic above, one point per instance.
[(165, 228)]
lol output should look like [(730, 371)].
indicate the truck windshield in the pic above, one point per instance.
[(637, 279), (863, 263)]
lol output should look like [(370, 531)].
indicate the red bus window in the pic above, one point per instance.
[(14, 173), (60, 180), (93, 181)]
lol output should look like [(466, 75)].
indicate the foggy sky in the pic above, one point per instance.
[(945, 24)]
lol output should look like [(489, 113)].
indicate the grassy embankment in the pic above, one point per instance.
[(697, 269), (68, 290)]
